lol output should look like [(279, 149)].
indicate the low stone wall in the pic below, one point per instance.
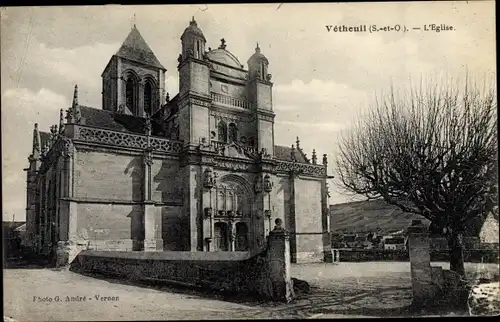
[(265, 273), (366, 255), (470, 255)]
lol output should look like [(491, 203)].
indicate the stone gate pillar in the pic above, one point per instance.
[(279, 263), (420, 261)]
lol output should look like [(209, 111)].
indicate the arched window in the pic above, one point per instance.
[(131, 95), (263, 70), (222, 129), (148, 98), (251, 142), (233, 133)]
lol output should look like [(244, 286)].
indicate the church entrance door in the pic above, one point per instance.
[(241, 243), (221, 240)]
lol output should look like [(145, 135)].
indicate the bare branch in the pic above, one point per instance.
[(431, 150)]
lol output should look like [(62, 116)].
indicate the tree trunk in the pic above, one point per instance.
[(455, 249)]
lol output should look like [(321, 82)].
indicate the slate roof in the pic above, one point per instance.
[(284, 153), (112, 121), (136, 49), (100, 118)]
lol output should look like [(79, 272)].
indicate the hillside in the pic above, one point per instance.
[(370, 216)]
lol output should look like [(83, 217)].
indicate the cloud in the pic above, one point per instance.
[(318, 105), (324, 127), (27, 101), (82, 65), (20, 109)]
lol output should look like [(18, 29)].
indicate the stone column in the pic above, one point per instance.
[(120, 86), (420, 262), (153, 240), (70, 243), (279, 263), (325, 222), (208, 229), (293, 225)]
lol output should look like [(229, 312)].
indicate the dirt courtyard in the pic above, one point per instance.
[(344, 289)]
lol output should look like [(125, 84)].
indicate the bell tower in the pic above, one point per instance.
[(194, 86), (133, 82), (260, 94)]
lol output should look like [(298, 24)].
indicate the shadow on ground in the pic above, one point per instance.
[(315, 302), (27, 262), (180, 289)]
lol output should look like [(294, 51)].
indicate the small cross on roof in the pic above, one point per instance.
[(222, 43)]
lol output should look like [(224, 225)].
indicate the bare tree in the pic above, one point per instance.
[(431, 151)]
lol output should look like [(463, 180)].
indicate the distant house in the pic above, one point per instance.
[(394, 243), (349, 240), (12, 237), (362, 241)]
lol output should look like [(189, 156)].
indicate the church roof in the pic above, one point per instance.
[(193, 29), (284, 153), (136, 49), (108, 120), (258, 56), (100, 118), (223, 56)]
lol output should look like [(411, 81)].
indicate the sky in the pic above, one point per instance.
[(323, 80)]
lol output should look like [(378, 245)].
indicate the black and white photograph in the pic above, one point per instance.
[(249, 161)]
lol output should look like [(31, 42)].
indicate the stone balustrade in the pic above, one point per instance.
[(127, 140), (230, 101)]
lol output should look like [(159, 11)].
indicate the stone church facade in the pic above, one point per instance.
[(195, 172)]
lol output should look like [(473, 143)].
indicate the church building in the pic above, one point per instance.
[(198, 171)]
